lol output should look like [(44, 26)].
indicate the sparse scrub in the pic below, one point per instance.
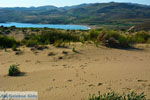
[(74, 50), (114, 39), (30, 43), (65, 52), (61, 38), (40, 47), (148, 41), (51, 54), (14, 70), (18, 52), (7, 42), (60, 44), (30, 40), (14, 48), (51, 37), (116, 96), (93, 34), (141, 37), (84, 37)]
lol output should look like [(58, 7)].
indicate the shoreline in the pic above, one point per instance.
[(39, 25)]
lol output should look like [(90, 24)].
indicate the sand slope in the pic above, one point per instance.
[(74, 76)]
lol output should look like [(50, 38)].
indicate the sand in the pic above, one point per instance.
[(73, 76)]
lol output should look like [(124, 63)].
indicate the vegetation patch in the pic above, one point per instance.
[(114, 39), (14, 71), (7, 42), (116, 96), (141, 37), (62, 38), (51, 54), (50, 37)]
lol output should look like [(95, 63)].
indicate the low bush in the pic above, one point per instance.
[(59, 38), (7, 42), (141, 37), (14, 48), (30, 43), (51, 37), (113, 39), (60, 44), (74, 50), (116, 96), (14, 70), (93, 34), (109, 38)]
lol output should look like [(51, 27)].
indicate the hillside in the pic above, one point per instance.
[(125, 14), (144, 26)]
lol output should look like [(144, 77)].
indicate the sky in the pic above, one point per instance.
[(60, 3)]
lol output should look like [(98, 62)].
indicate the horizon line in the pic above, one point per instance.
[(71, 5)]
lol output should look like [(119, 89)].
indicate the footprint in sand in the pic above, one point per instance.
[(49, 88), (60, 58), (64, 65), (64, 52), (77, 75), (91, 85), (27, 60), (126, 88), (69, 80), (37, 62), (142, 80), (51, 54), (99, 84), (109, 88)]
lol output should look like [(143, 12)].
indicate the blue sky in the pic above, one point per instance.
[(59, 3)]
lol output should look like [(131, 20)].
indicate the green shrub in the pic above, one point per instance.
[(51, 37), (60, 44), (141, 37), (14, 48), (148, 41), (113, 39), (74, 50), (7, 42), (116, 96), (84, 37), (109, 38), (135, 96), (14, 70), (30, 43), (93, 34)]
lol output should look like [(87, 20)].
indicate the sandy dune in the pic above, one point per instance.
[(73, 76)]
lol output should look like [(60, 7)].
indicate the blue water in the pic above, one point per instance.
[(56, 26)]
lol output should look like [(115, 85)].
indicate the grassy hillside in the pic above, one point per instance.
[(120, 14)]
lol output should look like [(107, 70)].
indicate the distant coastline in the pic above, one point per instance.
[(55, 26)]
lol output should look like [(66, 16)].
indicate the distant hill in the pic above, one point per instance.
[(126, 14)]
